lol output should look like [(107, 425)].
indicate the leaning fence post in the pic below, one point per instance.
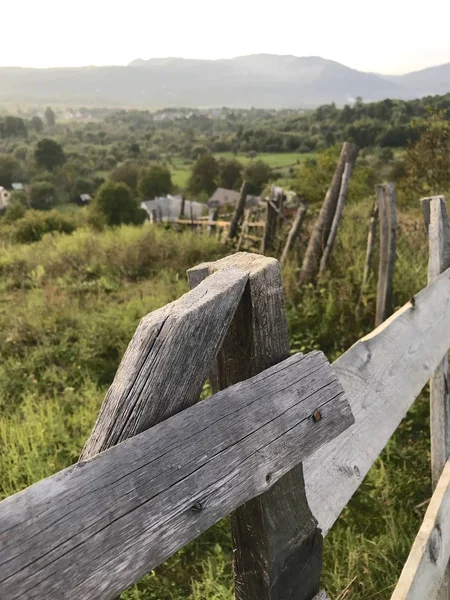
[(369, 251), (293, 233), (337, 216), (240, 206), (319, 237), (269, 227), (437, 225), (388, 243), (278, 547)]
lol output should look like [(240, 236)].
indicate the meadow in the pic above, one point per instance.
[(69, 305)]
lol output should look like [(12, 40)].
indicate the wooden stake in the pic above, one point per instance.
[(388, 242), (238, 212), (319, 237), (293, 233), (346, 175), (369, 251)]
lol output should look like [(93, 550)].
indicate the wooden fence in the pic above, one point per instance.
[(283, 443)]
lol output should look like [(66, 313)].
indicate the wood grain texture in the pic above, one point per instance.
[(278, 548), (387, 209), (382, 374), (438, 229), (424, 570), (244, 229), (240, 206), (293, 233), (167, 361), (346, 176), (319, 237), (97, 527), (270, 226)]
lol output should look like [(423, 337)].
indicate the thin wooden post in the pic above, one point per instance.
[(240, 206), (319, 237), (183, 202), (280, 206), (244, 228), (293, 233), (213, 215), (346, 175), (369, 251), (388, 242), (437, 225), (278, 548), (269, 227)]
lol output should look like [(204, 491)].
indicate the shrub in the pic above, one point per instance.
[(35, 225)]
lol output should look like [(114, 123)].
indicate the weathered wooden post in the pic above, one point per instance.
[(346, 175), (213, 215), (269, 227), (319, 237), (240, 206), (293, 233), (244, 228), (438, 228), (183, 202), (387, 209), (369, 251), (278, 547)]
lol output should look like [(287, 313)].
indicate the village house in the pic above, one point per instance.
[(169, 208), (224, 197)]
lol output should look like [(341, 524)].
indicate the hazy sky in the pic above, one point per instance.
[(389, 36)]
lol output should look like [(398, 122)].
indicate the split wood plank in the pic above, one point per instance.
[(382, 374), (293, 233), (438, 229), (94, 529), (167, 361), (346, 176), (426, 566), (388, 243), (277, 546)]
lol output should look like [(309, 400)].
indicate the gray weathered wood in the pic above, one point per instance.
[(319, 237), (244, 229), (425, 568), (213, 215), (270, 225), (346, 176), (388, 243), (278, 548), (369, 251), (322, 595), (382, 374), (167, 361), (97, 527), (293, 233), (438, 229), (240, 206)]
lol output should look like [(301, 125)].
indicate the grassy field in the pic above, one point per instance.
[(181, 168), (69, 305)]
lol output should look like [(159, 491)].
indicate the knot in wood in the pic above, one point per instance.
[(317, 415), (197, 507)]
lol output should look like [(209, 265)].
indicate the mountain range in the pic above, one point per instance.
[(262, 80)]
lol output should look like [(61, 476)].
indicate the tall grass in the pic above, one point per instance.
[(69, 305)]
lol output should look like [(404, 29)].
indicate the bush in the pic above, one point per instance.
[(115, 203), (35, 225)]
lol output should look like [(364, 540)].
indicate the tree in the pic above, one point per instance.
[(49, 154), (204, 175), (427, 161), (115, 203), (12, 127), (49, 117), (37, 124), (230, 173), (127, 172), (10, 170), (43, 195), (154, 181), (257, 173)]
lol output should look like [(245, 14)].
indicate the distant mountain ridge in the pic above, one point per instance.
[(261, 80)]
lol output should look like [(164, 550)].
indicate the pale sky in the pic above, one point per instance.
[(384, 36)]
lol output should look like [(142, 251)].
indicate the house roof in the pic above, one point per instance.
[(169, 207), (223, 196), (17, 187)]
